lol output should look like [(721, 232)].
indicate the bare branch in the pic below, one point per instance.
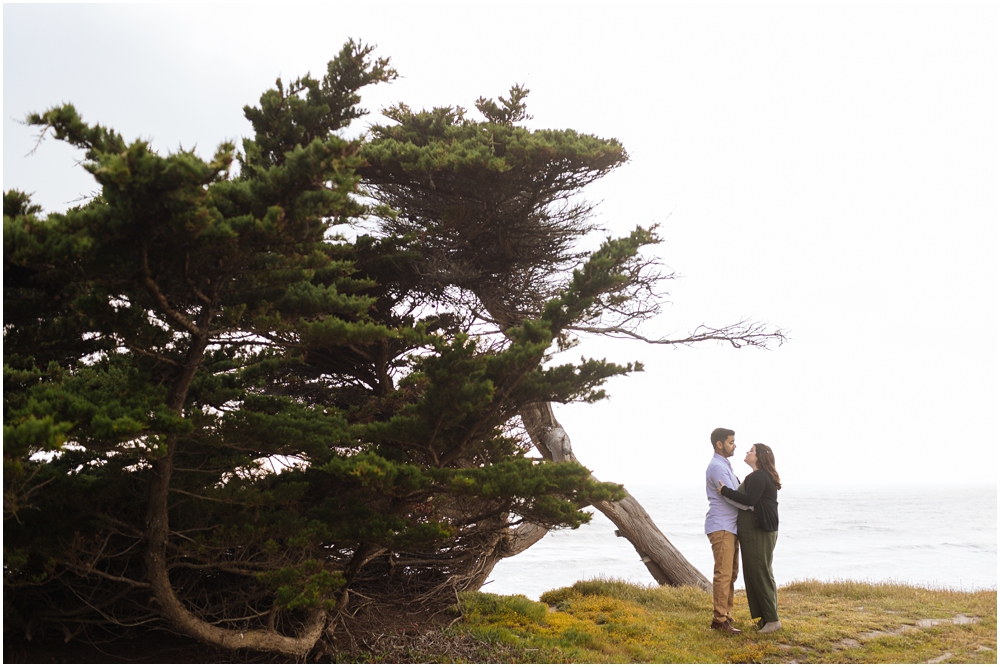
[(221, 567), (153, 355), (214, 500), (104, 575), (41, 137), (194, 288), (744, 333), (160, 299)]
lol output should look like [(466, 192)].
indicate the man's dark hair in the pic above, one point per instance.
[(720, 435)]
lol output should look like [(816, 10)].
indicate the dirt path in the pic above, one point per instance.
[(924, 623)]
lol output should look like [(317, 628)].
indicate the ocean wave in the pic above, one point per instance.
[(942, 541)]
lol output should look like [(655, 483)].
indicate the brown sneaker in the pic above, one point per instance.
[(724, 626)]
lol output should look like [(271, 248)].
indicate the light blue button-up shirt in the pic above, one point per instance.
[(721, 511)]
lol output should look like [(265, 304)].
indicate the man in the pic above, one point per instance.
[(720, 526)]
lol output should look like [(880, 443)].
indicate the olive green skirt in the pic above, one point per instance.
[(757, 551)]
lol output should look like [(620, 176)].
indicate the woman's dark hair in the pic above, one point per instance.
[(765, 462)]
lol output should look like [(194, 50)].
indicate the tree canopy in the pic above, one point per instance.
[(222, 414)]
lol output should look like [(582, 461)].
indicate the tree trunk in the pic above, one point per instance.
[(515, 541), (157, 536), (667, 565)]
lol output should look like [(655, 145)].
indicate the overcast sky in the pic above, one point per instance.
[(829, 169)]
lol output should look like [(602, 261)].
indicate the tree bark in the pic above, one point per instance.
[(157, 520), (667, 565), (522, 537), (505, 545)]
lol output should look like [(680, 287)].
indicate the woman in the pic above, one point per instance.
[(758, 533)]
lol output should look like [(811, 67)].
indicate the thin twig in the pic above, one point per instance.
[(158, 296)]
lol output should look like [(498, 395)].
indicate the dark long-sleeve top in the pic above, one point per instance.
[(761, 492)]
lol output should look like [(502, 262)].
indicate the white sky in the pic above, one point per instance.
[(830, 169)]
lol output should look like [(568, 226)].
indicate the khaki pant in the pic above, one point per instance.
[(726, 549)]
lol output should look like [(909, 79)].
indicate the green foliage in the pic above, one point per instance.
[(309, 109), (489, 203), (317, 417), (515, 609), (304, 587), (510, 110)]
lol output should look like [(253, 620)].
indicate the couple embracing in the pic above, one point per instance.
[(742, 514)]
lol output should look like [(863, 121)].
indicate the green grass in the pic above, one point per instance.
[(603, 621)]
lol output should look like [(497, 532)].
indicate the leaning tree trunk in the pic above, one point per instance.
[(514, 542), (667, 565), (172, 608)]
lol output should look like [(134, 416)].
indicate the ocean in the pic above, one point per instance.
[(937, 537)]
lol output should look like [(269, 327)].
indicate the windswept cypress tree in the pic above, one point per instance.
[(221, 415), (497, 218)]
